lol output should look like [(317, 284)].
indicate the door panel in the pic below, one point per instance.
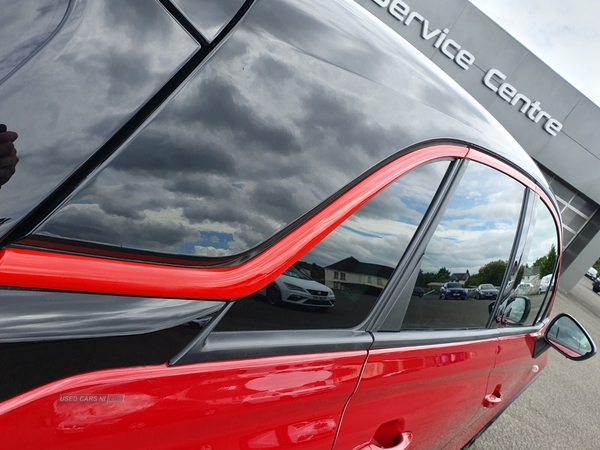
[(515, 369), (280, 402), (431, 392)]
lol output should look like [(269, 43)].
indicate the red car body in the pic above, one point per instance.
[(122, 336)]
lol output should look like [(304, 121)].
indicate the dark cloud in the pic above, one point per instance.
[(218, 104), (167, 154)]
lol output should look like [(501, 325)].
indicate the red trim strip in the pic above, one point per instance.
[(64, 272), (57, 271), (488, 160)]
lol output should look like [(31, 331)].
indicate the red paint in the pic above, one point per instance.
[(280, 402), (430, 391), (58, 271)]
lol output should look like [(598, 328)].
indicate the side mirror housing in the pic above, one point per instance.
[(569, 338)]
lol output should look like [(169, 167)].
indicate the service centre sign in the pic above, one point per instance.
[(494, 79)]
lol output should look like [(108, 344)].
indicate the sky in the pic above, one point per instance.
[(565, 35)]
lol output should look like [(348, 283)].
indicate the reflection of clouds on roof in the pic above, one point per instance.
[(24, 26), (290, 147), (85, 84)]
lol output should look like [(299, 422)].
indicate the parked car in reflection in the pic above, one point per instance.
[(451, 290), (525, 288), (545, 284), (418, 292), (596, 286), (295, 287), (591, 273), (486, 291)]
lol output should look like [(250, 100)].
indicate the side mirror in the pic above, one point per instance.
[(512, 311), (567, 336)]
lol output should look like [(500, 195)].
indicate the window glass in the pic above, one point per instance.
[(348, 270), (24, 27), (535, 280), (465, 262)]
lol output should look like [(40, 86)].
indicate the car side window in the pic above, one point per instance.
[(465, 261), (337, 283), (534, 282), (25, 27)]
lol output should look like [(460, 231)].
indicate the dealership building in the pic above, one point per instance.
[(555, 123)]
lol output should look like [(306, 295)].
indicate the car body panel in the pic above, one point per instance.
[(514, 370), (211, 405), (414, 385)]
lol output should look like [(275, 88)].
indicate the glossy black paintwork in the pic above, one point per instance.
[(108, 58), (209, 16), (303, 98), (36, 315)]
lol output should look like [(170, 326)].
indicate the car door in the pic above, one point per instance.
[(518, 363), (426, 376)]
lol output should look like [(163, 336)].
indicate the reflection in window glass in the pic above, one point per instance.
[(467, 254), (535, 277), (344, 275), (24, 27)]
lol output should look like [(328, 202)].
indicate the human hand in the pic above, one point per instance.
[(8, 154)]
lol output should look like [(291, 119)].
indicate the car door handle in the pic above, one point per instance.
[(405, 438), (491, 400)]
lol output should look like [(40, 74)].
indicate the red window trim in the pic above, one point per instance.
[(36, 269)]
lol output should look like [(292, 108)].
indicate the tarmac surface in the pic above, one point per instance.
[(561, 410)]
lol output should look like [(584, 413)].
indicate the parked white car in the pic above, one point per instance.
[(591, 273), (545, 284), (295, 287)]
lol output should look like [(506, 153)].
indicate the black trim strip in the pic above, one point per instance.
[(184, 22), (519, 237), (229, 345)]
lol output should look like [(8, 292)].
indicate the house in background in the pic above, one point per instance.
[(350, 272), (462, 278)]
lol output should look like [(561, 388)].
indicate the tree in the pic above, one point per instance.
[(492, 272), (424, 278), (443, 274), (548, 262)]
